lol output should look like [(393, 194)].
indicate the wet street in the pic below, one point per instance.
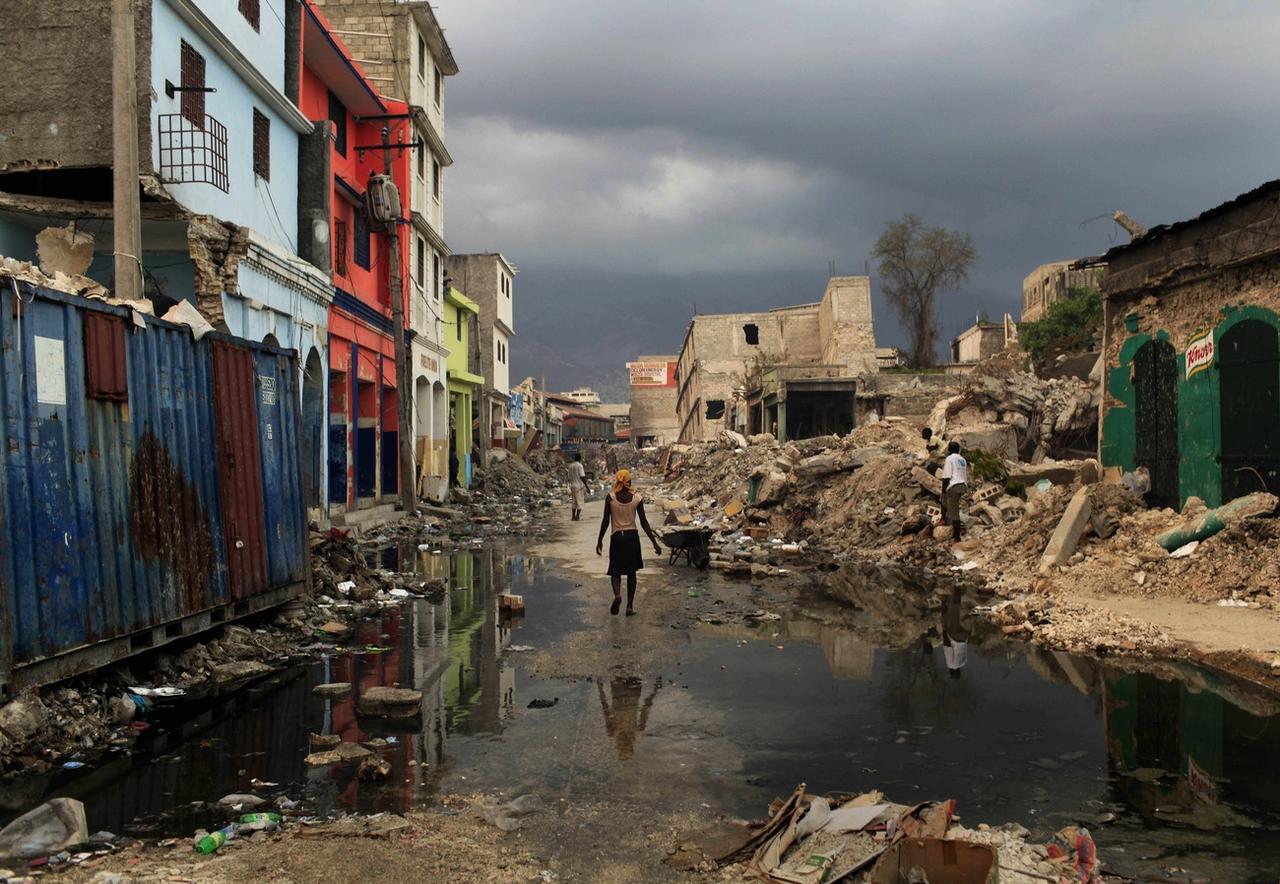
[(701, 706)]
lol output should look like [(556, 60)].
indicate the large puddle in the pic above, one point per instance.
[(1169, 770)]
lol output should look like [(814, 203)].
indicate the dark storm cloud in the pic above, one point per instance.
[(672, 141)]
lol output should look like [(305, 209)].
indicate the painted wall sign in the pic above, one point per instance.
[(267, 390), (649, 374), (428, 363), (51, 372), (1199, 353)]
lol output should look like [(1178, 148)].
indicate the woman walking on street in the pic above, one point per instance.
[(622, 509)]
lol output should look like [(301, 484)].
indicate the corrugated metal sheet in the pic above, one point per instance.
[(119, 516), (240, 468)]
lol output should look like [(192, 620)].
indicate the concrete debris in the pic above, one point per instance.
[(1210, 523), (1071, 527), (64, 250)]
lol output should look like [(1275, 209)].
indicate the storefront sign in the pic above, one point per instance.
[(1199, 353), (428, 363), (649, 374), (515, 409)]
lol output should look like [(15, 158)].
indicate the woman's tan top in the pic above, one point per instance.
[(622, 516)]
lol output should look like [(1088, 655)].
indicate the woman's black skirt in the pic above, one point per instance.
[(624, 553)]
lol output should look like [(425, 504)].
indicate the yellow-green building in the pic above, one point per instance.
[(464, 382)]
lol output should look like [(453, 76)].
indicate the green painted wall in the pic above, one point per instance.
[(1199, 411)]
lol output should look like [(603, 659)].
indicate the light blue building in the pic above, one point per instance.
[(221, 140)]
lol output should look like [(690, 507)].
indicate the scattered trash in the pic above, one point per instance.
[(1232, 603), (241, 802), (520, 649), (213, 841), (54, 825), (72, 765), (507, 817), (161, 692), (543, 704)]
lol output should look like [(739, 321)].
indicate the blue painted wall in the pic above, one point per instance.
[(271, 208)]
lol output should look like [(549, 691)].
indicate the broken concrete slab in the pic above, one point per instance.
[(23, 718), (772, 489), (239, 669), (762, 439), (816, 466), (998, 439), (333, 690), (929, 483), (64, 250), (321, 742), (1071, 527), (385, 702)]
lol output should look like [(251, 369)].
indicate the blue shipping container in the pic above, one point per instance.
[(112, 491)]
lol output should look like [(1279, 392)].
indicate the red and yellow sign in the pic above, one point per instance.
[(652, 374), (1199, 353)]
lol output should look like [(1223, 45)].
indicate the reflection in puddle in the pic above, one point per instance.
[(626, 714), (1172, 768)]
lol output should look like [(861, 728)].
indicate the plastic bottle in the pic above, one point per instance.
[(214, 840), (260, 822)]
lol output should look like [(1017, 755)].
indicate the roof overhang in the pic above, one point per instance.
[(433, 236), (432, 136), (328, 58), (425, 17)]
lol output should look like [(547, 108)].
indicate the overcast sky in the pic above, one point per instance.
[(638, 157)]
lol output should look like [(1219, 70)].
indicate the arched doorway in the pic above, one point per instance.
[(1249, 389), (422, 431), (312, 424), (1155, 388)]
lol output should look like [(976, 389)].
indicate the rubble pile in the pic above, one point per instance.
[(1060, 624), (1019, 415), (509, 475)]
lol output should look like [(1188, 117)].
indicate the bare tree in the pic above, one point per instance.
[(916, 262)]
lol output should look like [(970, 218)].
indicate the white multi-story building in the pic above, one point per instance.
[(403, 51), (489, 279)]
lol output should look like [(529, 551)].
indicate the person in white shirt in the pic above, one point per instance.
[(955, 482), (577, 485)]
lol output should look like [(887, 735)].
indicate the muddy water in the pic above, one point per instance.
[(1170, 769)]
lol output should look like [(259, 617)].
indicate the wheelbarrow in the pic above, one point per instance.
[(693, 544)]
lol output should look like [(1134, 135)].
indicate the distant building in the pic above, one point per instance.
[(465, 383), (1050, 283), (983, 340), (814, 351), (580, 425), (653, 401), (581, 396), (488, 279)]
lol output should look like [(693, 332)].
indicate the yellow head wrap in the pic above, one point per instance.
[(623, 480)]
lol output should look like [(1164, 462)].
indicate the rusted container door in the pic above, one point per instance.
[(239, 468), (1155, 389), (1249, 378)]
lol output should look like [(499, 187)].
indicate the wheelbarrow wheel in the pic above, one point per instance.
[(701, 558)]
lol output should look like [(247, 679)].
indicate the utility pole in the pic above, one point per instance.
[(408, 478), (127, 229)]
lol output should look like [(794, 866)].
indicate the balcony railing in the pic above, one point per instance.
[(193, 153)]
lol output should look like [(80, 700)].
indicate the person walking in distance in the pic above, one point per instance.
[(622, 509), (577, 485), (955, 482)]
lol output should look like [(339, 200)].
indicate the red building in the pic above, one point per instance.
[(363, 424)]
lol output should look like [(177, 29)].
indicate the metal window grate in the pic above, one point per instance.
[(252, 13), (192, 153), (193, 79), (361, 240), (340, 247), (261, 145), (422, 262)]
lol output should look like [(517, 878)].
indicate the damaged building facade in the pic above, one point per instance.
[(403, 53), (1192, 353), (1050, 283), (218, 170), (363, 468), (792, 371), (488, 279)]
